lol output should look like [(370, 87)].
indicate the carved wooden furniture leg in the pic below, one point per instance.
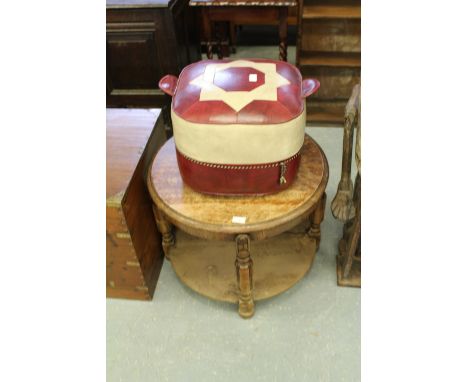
[(349, 258), (342, 204), (233, 36), (283, 33), (316, 219), (207, 29), (218, 38), (166, 231), (244, 276), (352, 244), (166, 113)]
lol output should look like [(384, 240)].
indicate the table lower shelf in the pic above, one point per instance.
[(208, 267)]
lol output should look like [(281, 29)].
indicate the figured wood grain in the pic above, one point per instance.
[(331, 36), (332, 12), (127, 132), (210, 217), (330, 59)]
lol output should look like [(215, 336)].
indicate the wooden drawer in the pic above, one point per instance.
[(335, 82), (323, 111), (331, 35)]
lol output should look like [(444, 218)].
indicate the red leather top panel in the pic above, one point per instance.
[(230, 92), (237, 79)]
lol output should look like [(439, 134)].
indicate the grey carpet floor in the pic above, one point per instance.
[(309, 333)]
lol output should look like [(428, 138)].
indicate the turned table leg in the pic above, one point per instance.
[(166, 231), (244, 276), (316, 219), (355, 235), (218, 35), (233, 36), (283, 33), (207, 29)]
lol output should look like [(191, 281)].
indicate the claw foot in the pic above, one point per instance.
[(342, 205)]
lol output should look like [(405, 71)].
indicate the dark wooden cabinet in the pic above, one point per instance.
[(145, 40)]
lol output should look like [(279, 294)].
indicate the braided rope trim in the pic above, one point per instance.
[(215, 3), (241, 167)]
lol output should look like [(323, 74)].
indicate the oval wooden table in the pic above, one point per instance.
[(273, 238)]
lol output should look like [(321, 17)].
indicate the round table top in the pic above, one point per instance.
[(224, 217)]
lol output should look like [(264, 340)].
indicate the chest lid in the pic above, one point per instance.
[(251, 91), (127, 134)]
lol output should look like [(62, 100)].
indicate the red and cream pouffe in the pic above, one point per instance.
[(238, 125)]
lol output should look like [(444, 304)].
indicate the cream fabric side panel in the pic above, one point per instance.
[(239, 144)]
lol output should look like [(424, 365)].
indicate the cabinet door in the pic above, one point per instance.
[(132, 65)]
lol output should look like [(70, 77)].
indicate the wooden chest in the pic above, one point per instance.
[(133, 244)]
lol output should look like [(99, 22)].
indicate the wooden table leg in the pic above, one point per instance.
[(316, 219), (283, 33), (207, 32), (244, 276), (166, 231), (166, 114), (342, 205), (219, 37), (353, 240), (233, 36)]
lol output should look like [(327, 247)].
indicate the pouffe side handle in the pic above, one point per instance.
[(309, 87), (168, 84)]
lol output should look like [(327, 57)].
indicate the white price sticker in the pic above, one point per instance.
[(239, 219)]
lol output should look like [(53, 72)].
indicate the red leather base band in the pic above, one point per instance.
[(259, 179)]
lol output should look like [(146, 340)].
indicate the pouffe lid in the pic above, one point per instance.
[(253, 91)]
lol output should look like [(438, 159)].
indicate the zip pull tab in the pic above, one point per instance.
[(283, 173)]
